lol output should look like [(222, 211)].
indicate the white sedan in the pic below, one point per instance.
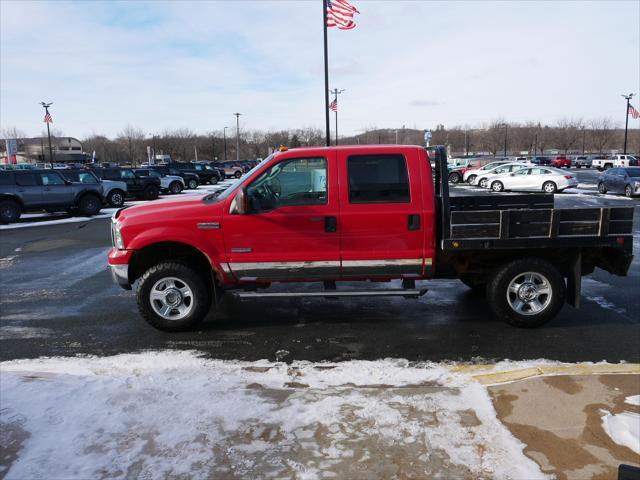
[(546, 179), (481, 178), (470, 175)]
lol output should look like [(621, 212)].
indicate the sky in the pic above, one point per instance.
[(162, 64)]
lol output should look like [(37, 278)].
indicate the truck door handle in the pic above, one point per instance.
[(414, 222), (330, 224)]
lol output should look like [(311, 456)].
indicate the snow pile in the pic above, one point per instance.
[(623, 428), (633, 400), (155, 415)]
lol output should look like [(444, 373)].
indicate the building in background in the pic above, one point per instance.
[(36, 150)]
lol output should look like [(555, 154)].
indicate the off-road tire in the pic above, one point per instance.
[(115, 198), (175, 187), (151, 192), (201, 296), (455, 178), (549, 187), (9, 211), (601, 188), (498, 285), (237, 174), (192, 184), (89, 205)]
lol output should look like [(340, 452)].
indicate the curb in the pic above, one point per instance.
[(493, 378)]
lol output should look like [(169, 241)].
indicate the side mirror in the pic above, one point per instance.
[(67, 181), (240, 204)]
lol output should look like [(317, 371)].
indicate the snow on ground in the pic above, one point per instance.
[(623, 428), (633, 400), (160, 414)]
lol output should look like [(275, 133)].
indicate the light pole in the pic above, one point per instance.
[(626, 120), (224, 136), (505, 139), (237, 135), (48, 120)]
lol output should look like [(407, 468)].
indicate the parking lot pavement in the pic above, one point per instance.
[(58, 299)]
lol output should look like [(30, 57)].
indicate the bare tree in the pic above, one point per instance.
[(567, 133), (13, 132), (601, 134), (132, 138)]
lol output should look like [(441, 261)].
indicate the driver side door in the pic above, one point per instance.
[(291, 229)]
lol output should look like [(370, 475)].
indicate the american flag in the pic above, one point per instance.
[(633, 112), (340, 14), (333, 106), (48, 118)]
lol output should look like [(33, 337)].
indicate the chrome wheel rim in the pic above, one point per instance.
[(496, 187), (549, 188), (171, 298), (529, 293), (193, 184)]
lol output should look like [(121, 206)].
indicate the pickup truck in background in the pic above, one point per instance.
[(361, 213), (605, 163), (561, 161)]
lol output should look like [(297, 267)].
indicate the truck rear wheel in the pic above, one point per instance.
[(526, 293), (173, 297)]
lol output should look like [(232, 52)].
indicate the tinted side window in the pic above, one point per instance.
[(6, 178), (26, 179), (51, 178), (378, 179)]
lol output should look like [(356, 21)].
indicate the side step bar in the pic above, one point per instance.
[(409, 293)]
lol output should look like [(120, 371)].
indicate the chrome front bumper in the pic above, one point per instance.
[(120, 275)]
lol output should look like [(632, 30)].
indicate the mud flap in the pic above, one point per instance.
[(574, 280)]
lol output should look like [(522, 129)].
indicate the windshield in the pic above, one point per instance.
[(215, 197)]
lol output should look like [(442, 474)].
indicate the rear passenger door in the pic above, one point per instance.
[(29, 188), (381, 220), (54, 191)]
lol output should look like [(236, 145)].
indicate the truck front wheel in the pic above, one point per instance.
[(526, 293), (173, 297)]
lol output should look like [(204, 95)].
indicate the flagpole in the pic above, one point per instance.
[(626, 121), (326, 74)]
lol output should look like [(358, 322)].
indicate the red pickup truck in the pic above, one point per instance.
[(360, 213), (561, 161)]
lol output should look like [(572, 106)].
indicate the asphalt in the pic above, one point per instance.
[(57, 299)]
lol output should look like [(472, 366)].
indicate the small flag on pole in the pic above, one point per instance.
[(340, 14), (47, 118), (333, 106), (633, 112)]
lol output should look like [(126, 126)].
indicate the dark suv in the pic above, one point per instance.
[(204, 172), (191, 180), (37, 190), (139, 186)]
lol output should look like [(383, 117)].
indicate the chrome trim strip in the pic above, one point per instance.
[(209, 225), (226, 268), (382, 263), (285, 270), (336, 293), (382, 267)]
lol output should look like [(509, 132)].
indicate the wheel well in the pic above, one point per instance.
[(13, 199), (150, 255), (82, 195)]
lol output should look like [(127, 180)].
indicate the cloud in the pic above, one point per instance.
[(423, 103)]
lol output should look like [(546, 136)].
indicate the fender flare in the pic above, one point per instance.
[(14, 198)]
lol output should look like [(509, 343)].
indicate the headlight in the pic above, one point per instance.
[(116, 236)]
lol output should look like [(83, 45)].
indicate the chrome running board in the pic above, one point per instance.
[(409, 293)]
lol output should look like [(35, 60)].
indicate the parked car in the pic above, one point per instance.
[(378, 215), (582, 161), (215, 166), (37, 190), (561, 161), (457, 170), (483, 179), (620, 180), (545, 179), (470, 175), (139, 186), (113, 192), (540, 160), (232, 170), (168, 183), (205, 174), (615, 161), (191, 180)]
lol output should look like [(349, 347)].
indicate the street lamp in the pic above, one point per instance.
[(505, 139), (224, 136), (626, 120), (48, 120), (237, 135)]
